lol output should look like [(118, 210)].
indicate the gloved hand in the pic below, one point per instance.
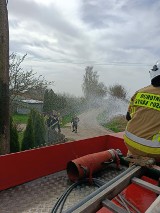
[(128, 116)]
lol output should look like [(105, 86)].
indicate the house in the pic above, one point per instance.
[(25, 106)]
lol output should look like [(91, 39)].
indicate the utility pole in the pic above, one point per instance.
[(4, 79)]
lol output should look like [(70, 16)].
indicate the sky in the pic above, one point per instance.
[(119, 38)]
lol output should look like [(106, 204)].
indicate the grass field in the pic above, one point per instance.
[(117, 124), (20, 119)]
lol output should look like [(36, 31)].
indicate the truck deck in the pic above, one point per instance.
[(33, 181), (41, 194)]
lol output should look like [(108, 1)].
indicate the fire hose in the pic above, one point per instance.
[(87, 165), (61, 201), (93, 194)]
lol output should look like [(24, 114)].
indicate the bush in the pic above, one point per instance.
[(34, 135), (39, 129), (28, 138), (14, 143)]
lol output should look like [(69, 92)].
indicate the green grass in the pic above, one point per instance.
[(116, 124), (66, 119), (20, 119)]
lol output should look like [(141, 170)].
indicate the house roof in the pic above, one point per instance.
[(31, 101)]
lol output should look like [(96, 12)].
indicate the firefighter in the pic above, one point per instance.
[(48, 119), (142, 134), (55, 122), (74, 123), (52, 121), (46, 116), (59, 118)]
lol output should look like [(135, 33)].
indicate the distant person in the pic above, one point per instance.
[(55, 123), (59, 121), (74, 123), (49, 119), (142, 134), (46, 116)]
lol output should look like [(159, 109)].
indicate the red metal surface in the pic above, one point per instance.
[(25, 166), (104, 210), (140, 197)]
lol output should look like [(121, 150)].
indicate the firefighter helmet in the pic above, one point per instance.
[(155, 71)]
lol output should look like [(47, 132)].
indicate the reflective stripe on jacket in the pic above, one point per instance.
[(146, 146)]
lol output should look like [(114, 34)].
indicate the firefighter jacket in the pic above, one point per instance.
[(142, 134)]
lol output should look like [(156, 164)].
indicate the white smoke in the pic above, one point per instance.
[(113, 107)]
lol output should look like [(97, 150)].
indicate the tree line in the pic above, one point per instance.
[(26, 83), (94, 91)]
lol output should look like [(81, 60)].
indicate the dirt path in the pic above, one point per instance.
[(88, 127)]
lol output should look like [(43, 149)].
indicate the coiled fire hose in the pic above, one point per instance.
[(61, 201)]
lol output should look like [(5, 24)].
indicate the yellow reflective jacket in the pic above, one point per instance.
[(143, 130)]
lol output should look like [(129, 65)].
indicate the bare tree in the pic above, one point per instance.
[(4, 79), (24, 82)]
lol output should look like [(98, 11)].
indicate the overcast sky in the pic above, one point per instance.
[(119, 38)]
